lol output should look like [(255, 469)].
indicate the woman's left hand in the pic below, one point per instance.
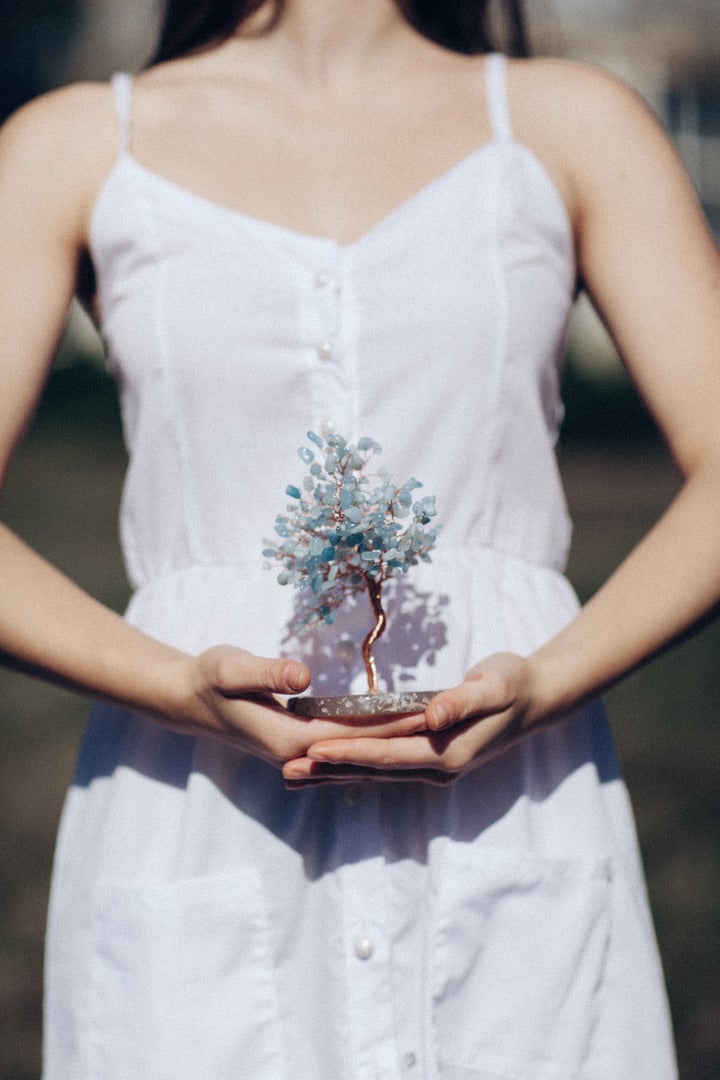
[(488, 712)]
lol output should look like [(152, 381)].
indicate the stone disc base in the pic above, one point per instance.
[(378, 704)]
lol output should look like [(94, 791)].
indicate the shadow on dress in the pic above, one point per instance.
[(417, 631), (318, 823)]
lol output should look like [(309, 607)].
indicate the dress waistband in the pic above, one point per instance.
[(446, 554)]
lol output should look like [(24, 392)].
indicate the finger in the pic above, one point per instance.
[(377, 727), (448, 751), (411, 752), (480, 694), (235, 672)]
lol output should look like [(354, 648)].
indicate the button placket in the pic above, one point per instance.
[(366, 923), (325, 301), (323, 305)]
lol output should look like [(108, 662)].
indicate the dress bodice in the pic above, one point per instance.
[(439, 333)]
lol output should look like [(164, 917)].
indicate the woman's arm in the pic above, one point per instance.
[(54, 156), (651, 266)]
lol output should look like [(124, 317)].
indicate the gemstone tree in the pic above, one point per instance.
[(342, 536)]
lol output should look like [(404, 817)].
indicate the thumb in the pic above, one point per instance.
[(234, 671), (484, 691)]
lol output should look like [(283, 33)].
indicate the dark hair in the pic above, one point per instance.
[(465, 26)]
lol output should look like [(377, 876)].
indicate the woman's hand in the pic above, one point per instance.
[(229, 694), (488, 712)]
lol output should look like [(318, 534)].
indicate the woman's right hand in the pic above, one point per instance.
[(230, 695)]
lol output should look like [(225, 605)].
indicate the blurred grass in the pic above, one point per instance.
[(62, 495)]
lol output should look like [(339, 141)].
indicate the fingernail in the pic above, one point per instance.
[(438, 716), (295, 772), (295, 676)]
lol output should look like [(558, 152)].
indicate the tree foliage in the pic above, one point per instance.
[(347, 530)]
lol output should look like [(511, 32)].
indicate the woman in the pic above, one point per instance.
[(316, 217)]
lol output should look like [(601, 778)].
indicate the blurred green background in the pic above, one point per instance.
[(63, 491)]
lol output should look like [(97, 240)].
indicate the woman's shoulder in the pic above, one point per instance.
[(583, 122), (58, 148), (575, 94), (72, 116)]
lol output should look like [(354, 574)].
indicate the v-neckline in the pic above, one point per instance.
[(208, 206)]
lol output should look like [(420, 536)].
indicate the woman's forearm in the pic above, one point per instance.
[(50, 627), (668, 583)]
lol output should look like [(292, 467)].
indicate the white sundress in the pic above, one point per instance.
[(207, 923)]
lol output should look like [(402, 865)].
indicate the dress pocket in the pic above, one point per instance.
[(520, 955), (182, 982)]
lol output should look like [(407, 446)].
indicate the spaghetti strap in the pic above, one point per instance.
[(495, 71), (122, 89)]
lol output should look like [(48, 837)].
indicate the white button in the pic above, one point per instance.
[(409, 1061), (324, 350), (327, 428), (322, 278), (363, 946)]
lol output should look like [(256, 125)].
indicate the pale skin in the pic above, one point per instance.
[(293, 125)]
